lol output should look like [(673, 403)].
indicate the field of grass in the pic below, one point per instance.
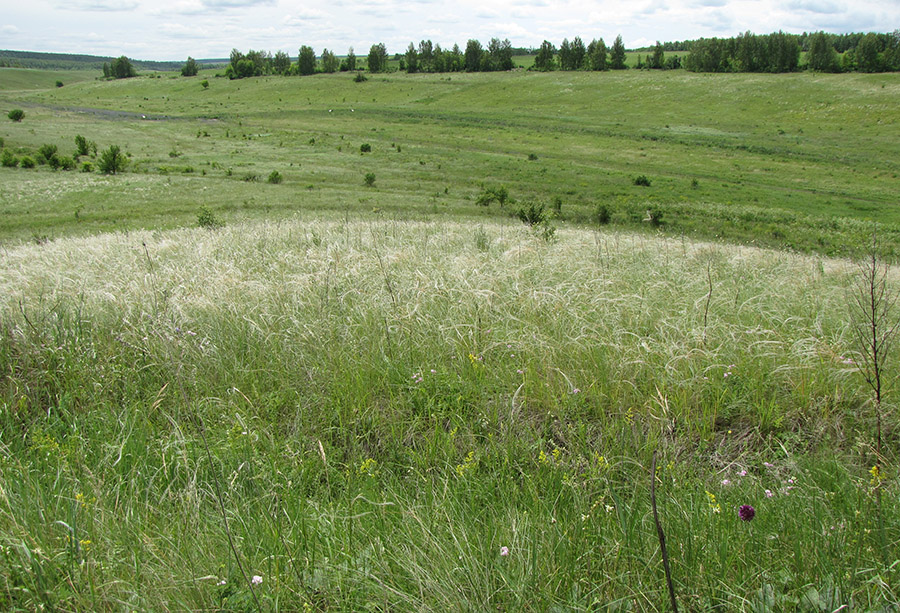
[(346, 397), (801, 161)]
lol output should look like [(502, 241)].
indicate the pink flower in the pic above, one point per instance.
[(742, 473), (726, 482), (504, 551), (769, 493), (256, 580)]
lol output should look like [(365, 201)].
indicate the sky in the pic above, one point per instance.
[(176, 29)]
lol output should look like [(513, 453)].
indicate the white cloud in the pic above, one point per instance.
[(9, 30)]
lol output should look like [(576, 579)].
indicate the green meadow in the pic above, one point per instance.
[(330, 393)]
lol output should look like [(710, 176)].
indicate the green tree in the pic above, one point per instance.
[(426, 55), (596, 53), (544, 60), (578, 53), (112, 161), (867, 59), (474, 51), (190, 68), (412, 59), (281, 63), (565, 55), (658, 59), (617, 54), (329, 61), (306, 63), (378, 58), (121, 68), (499, 55), (351, 59), (821, 56)]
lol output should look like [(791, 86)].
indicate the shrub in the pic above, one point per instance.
[(205, 84), (641, 180), (87, 167), (360, 78), (8, 160), (16, 115), (275, 177), (370, 179), (45, 152), (207, 219), (532, 214), (655, 217), (365, 148), (493, 194), (251, 177), (604, 215), (66, 163), (81, 146), (532, 157), (26, 162), (59, 83), (112, 161), (54, 162)]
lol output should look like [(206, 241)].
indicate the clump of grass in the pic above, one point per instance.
[(275, 177), (641, 181), (207, 219)]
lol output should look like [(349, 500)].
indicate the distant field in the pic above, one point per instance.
[(799, 160)]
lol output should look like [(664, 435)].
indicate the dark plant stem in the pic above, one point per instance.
[(662, 537)]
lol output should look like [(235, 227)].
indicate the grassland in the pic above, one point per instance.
[(801, 161), (390, 398)]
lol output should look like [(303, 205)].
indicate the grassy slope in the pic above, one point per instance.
[(795, 160), (386, 404)]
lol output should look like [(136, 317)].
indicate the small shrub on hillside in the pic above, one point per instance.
[(59, 83), (493, 194), (557, 205), (205, 84), (54, 161), (532, 157), (26, 162), (207, 219), (365, 148), (641, 180), (66, 163), (604, 215), (87, 167), (370, 179), (112, 161), (8, 160), (251, 177), (81, 146), (275, 177), (45, 152), (655, 217), (532, 214), (16, 115), (360, 78)]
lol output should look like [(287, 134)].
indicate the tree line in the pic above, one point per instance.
[(780, 52), (775, 53)]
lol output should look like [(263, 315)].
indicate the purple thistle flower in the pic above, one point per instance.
[(746, 512)]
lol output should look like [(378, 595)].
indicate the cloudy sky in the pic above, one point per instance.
[(175, 29)]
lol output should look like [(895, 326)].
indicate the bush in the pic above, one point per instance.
[(26, 162), (533, 214), (54, 161), (275, 177), (365, 148), (59, 83), (493, 194), (370, 179), (66, 163), (46, 152), (112, 161), (81, 146), (8, 160), (205, 84), (360, 78), (206, 219), (16, 115), (87, 167), (532, 157), (604, 215), (641, 180)]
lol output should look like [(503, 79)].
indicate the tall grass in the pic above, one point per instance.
[(388, 404)]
